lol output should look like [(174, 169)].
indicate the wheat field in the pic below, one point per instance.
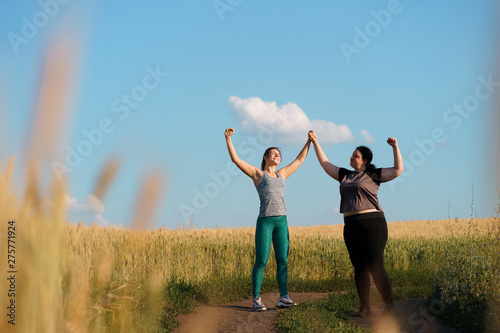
[(73, 277)]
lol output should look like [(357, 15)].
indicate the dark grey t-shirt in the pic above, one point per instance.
[(272, 195), (358, 189)]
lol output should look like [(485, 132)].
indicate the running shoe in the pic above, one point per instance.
[(285, 302), (258, 305)]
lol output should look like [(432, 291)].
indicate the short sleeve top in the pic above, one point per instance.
[(358, 189)]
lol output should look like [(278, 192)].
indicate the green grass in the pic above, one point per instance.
[(467, 284), (460, 273), (326, 315), (456, 271), (432, 272)]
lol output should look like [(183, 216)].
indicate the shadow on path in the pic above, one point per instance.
[(411, 316), (239, 316)]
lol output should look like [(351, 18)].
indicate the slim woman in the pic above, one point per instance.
[(272, 224), (365, 227)]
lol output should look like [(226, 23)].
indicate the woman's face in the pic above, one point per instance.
[(274, 157), (356, 160)]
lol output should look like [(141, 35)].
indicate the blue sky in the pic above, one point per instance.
[(154, 84)]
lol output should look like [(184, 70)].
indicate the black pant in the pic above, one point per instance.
[(365, 236)]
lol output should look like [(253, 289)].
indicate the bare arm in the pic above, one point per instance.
[(331, 169), (288, 170), (391, 173), (248, 169)]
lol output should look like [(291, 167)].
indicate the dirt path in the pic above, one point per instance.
[(238, 316), (411, 317)]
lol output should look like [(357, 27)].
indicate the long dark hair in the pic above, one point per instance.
[(367, 155), (266, 153)]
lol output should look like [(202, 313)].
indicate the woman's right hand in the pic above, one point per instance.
[(228, 132)]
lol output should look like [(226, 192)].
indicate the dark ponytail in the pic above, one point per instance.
[(367, 155), (266, 153)]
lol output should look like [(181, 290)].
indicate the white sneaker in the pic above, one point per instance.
[(258, 305), (285, 302)]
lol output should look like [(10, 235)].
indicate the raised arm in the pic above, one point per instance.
[(248, 169), (288, 170), (391, 173), (331, 169)]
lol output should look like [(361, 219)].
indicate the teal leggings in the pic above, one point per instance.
[(273, 229)]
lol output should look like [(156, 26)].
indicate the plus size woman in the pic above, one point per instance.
[(365, 227)]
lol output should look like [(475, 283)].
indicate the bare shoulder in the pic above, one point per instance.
[(283, 172)]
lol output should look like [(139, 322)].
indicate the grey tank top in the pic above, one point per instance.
[(272, 195)]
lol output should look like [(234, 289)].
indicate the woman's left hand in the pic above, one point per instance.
[(392, 142)]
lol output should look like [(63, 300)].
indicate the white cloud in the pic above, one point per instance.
[(288, 123), (367, 136), (90, 205), (99, 219), (90, 209), (334, 210)]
